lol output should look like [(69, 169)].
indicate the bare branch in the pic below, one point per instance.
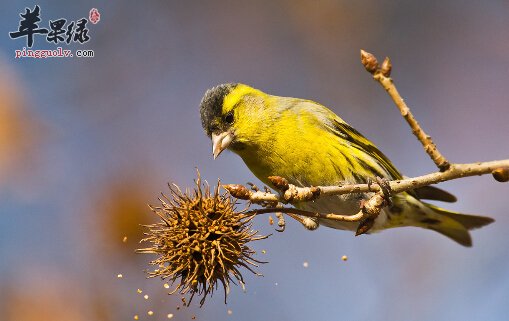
[(366, 216), (381, 75), (299, 194)]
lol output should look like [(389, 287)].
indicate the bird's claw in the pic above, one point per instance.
[(385, 187)]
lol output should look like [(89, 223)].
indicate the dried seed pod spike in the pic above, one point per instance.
[(201, 240)]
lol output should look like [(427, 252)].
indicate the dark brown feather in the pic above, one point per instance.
[(434, 193)]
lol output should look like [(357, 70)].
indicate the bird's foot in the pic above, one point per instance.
[(385, 187)]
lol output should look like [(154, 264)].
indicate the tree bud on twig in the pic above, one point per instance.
[(279, 182), (238, 191), (386, 67), (365, 226), (369, 61), (501, 174)]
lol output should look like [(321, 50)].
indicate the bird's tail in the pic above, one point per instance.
[(451, 224)]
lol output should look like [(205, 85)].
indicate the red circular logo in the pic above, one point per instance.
[(94, 16)]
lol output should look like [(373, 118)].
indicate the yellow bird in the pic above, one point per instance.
[(309, 145)]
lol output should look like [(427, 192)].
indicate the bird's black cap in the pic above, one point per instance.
[(212, 104)]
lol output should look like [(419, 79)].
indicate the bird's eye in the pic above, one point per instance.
[(229, 118)]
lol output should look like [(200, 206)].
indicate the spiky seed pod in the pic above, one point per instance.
[(201, 241)]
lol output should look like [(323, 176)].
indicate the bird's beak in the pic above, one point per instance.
[(220, 142)]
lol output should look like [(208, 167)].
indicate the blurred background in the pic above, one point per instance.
[(87, 143)]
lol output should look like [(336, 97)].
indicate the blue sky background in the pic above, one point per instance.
[(86, 143)]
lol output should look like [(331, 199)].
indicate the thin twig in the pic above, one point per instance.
[(455, 171), (292, 210), (293, 193), (366, 216), (382, 76)]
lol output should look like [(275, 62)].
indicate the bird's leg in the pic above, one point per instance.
[(369, 181), (372, 207), (385, 187)]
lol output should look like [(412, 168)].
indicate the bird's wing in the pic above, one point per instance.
[(361, 143), (358, 141), (433, 193)]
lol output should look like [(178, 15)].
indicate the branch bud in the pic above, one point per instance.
[(315, 191), (386, 67), (238, 191), (369, 61), (279, 182), (501, 174), (365, 226)]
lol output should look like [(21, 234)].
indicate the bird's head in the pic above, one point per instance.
[(231, 115)]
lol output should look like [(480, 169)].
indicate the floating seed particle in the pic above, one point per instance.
[(271, 220), (230, 312), (344, 258), (124, 239), (150, 312), (139, 291), (305, 264), (166, 286), (170, 315), (145, 296), (120, 276), (263, 251), (136, 317), (193, 317)]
